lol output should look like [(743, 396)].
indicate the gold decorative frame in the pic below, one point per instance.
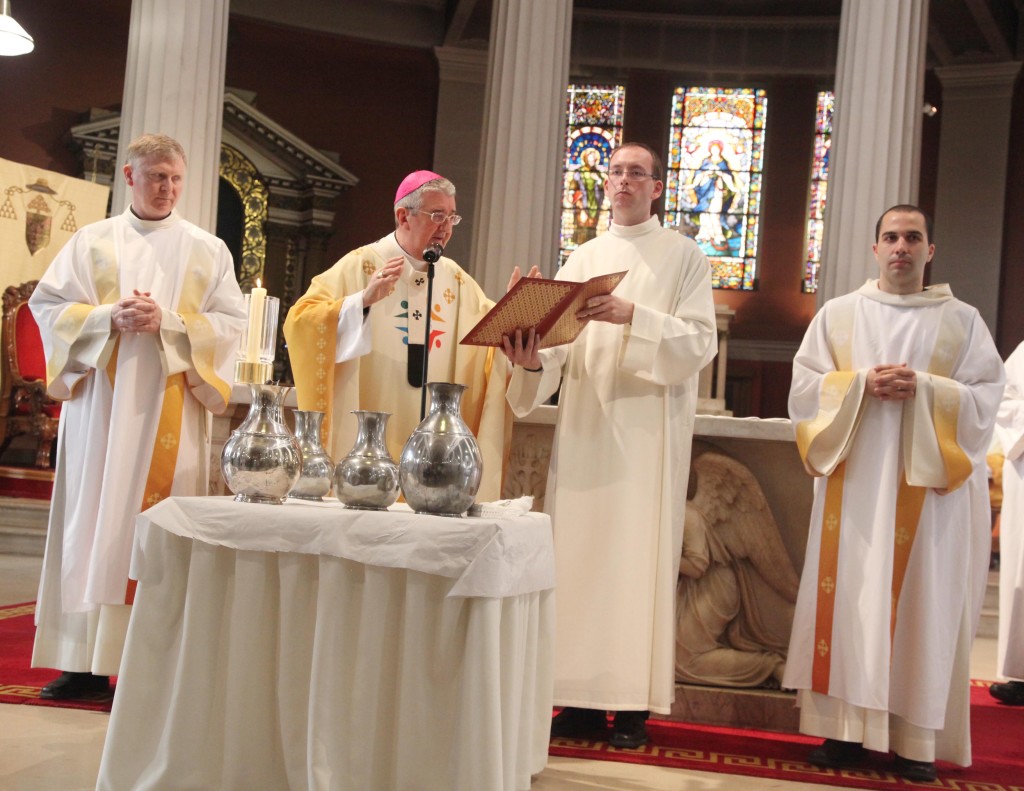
[(242, 175)]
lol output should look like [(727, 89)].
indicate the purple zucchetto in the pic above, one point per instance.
[(414, 181)]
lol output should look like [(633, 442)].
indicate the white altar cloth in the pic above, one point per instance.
[(310, 646)]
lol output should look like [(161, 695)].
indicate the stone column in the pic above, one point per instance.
[(174, 84), (876, 141), (459, 134), (518, 193), (971, 188)]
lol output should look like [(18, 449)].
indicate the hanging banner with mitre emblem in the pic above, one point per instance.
[(39, 211), (40, 215)]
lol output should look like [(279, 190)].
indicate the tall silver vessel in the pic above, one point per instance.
[(441, 466), (368, 477), (261, 461), (317, 468)]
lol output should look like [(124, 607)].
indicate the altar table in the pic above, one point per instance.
[(311, 646)]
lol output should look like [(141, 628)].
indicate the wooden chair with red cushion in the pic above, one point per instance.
[(24, 406)]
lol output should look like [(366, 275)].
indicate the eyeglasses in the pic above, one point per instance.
[(439, 217), (633, 174)]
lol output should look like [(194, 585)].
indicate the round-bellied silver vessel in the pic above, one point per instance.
[(441, 465), (261, 461)]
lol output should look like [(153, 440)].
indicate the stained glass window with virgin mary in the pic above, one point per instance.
[(713, 177)]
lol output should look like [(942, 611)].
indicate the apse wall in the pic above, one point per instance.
[(374, 105)]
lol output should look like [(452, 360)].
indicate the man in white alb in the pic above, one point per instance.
[(894, 395), (1010, 642), (140, 316), (621, 456)]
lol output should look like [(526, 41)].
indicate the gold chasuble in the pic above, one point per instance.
[(896, 554), (379, 379)]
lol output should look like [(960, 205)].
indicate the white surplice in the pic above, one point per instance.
[(862, 675), (1010, 431), (619, 465), (110, 463)]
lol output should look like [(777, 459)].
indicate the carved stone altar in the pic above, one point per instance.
[(737, 587), (768, 452)]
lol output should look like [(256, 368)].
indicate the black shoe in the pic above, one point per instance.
[(836, 754), (574, 723), (1011, 693), (915, 771), (629, 730), (69, 686)]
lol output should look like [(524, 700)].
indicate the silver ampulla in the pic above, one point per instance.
[(368, 477), (441, 465), (261, 461), (317, 468)]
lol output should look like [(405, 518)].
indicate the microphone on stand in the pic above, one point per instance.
[(431, 253)]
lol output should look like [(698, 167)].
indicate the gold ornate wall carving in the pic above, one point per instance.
[(242, 175)]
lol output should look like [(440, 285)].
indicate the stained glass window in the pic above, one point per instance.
[(713, 178), (819, 190), (593, 128)]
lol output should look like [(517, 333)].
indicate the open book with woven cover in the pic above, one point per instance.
[(549, 305)]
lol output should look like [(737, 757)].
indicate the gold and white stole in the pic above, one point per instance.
[(909, 499), (164, 460), (840, 333)]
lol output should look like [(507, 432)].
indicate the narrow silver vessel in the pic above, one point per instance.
[(317, 468), (368, 477)]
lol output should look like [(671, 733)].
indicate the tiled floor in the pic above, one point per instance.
[(47, 749)]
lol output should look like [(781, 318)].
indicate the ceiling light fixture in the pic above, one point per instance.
[(13, 38)]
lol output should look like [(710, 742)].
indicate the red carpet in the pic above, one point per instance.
[(20, 683), (29, 482), (997, 738), (997, 734)]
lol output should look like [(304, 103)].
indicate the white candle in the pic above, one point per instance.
[(254, 339)]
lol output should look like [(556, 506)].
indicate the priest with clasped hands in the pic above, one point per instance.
[(894, 396), (140, 316)]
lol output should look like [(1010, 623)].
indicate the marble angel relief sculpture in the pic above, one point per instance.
[(737, 585)]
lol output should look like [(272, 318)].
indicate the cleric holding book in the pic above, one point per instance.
[(140, 316), (356, 338), (894, 396), (621, 456)]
